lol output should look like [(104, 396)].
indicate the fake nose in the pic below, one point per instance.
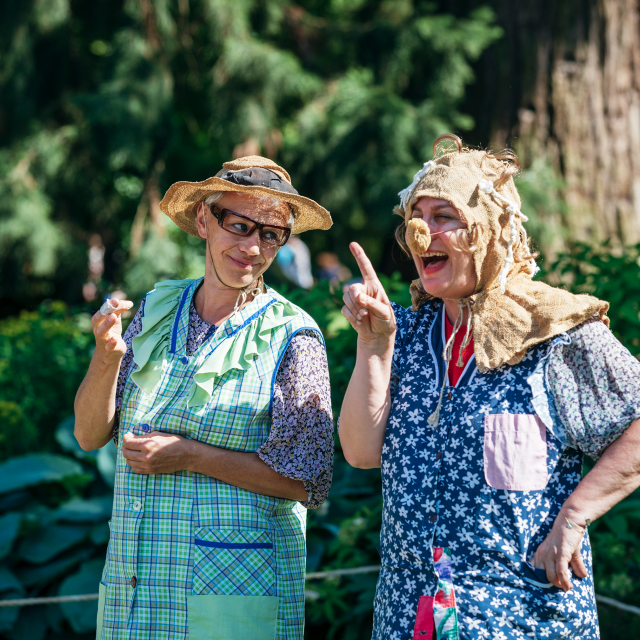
[(418, 236)]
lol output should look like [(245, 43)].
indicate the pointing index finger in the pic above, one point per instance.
[(364, 264)]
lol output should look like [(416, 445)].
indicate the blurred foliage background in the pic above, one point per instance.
[(104, 104)]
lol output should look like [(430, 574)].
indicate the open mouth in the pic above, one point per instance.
[(434, 260)]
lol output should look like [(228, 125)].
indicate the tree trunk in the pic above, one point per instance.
[(564, 84)]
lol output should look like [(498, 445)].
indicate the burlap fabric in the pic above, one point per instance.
[(181, 201), (529, 312)]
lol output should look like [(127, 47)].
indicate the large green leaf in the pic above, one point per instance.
[(89, 510), (43, 574), (29, 470), (10, 588), (47, 542), (107, 463), (67, 440), (31, 624), (82, 615), (9, 527), (104, 457)]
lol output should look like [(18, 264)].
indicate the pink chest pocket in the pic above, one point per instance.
[(515, 452)]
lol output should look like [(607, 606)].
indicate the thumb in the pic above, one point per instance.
[(379, 308)]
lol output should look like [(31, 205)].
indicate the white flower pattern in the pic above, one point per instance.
[(436, 495)]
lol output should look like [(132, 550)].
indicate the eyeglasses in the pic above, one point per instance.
[(240, 225)]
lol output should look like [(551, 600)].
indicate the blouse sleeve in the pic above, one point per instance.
[(300, 445), (126, 365), (595, 384)]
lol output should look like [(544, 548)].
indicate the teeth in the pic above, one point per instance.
[(433, 254)]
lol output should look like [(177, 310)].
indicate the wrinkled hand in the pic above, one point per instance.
[(559, 550), (108, 330), (157, 452), (366, 305)]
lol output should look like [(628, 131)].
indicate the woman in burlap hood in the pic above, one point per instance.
[(479, 403)]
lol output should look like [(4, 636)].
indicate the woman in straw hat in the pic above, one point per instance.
[(218, 399), (478, 403)]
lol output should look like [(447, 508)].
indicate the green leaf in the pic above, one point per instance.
[(9, 583), (9, 527), (48, 542), (86, 510), (100, 533), (31, 624), (44, 574), (29, 470), (82, 615), (10, 588), (67, 440), (107, 463)]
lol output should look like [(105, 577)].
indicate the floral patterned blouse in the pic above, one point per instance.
[(300, 445), (594, 382)]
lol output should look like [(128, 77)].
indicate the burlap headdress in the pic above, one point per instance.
[(511, 312)]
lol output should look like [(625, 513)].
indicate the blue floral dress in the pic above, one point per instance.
[(467, 503)]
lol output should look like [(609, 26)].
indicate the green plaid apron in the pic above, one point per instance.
[(190, 556)]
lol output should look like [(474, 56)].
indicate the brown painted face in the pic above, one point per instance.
[(445, 270), (238, 260)]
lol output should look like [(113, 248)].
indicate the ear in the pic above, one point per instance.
[(201, 220)]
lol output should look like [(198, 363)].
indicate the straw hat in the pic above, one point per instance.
[(251, 174)]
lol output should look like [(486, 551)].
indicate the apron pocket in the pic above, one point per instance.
[(515, 452), (238, 617), (536, 577), (229, 562), (102, 592)]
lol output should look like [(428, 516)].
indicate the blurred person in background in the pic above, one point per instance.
[(218, 399), (479, 404), (294, 259), (330, 268)]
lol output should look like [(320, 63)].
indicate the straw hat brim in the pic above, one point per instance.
[(181, 202)]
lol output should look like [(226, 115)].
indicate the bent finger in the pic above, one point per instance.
[(351, 303), (578, 566), (550, 568), (562, 571), (353, 321), (103, 328), (377, 307), (133, 442), (117, 306), (138, 467)]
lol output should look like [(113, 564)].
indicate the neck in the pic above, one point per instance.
[(214, 301), (452, 309)]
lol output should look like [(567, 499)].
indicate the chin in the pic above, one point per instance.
[(436, 289)]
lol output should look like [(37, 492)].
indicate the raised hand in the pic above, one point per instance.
[(108, 330), (366, 305)]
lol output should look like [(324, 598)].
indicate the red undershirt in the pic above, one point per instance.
[(454, 371)]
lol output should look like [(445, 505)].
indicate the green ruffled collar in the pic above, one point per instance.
[(236, 343)]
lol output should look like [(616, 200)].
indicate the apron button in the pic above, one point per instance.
[(146, 428), (185, 360), (433, 517), (134, 582)]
